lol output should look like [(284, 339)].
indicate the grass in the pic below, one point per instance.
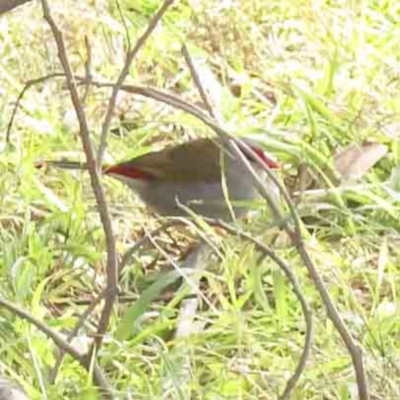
[(312, 77)]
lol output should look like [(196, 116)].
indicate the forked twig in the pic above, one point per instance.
[(84, 360)]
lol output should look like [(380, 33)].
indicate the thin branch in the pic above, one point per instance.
[(128, 38), (353, 348), (88, 69), (266, 252), (185, 276), (145, 239), (84, 360), (81, 321), (125, 259), (230, 141), (112, 266), (197, 80), (28, 85), (124, 73), (176, 102)]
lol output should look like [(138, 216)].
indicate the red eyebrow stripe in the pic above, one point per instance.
[(268, 161), (128, 171)]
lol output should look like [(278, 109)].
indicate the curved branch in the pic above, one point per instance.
[(266, 252), (84, 360)]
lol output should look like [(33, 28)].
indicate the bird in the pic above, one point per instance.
[(200, 174)]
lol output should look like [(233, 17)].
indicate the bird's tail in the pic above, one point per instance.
[(62, 164)]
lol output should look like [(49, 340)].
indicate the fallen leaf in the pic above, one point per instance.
[(355, 161)]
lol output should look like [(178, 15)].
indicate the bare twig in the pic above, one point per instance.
[(176, 102), (82, 319), (112, 268), (124, 73), (127, 35), (266, 252), (203, 252), (27, 85), (84, 360), (88, 68), (185, 275), (353, 348), (145, 239), (197, 81), (125, 259)]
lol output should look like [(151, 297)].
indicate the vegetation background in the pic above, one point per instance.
[(304, 77)]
